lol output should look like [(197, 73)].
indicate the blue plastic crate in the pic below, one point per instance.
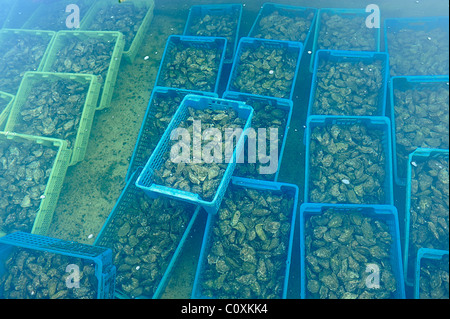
[(379, 123), (352, 57), (425, 253), (288, 11), (344, 13), (386, 213), (296, 48), (277, 188), (108, 235), (146, 179), (145, 144), (418, 156), (416, 24), (233, 10), (105, 271), (404, 83), (283, 104), (205, 43)]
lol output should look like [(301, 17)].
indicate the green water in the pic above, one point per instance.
[(92, 187)]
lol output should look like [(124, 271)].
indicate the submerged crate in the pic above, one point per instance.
[(33, 79), (418, 45), (383, 213), (21, 51), (107, 75), (177, 71), (369, 38), (272, 105), (243, 184), (209, 16), (76, 253), (423, 111), (410, 252), (112, 234), (287, 15), (146, 180), (6, 102), (355, 58), (53, 16), (372, 123), (276, 77), (50, 196), (133, 31), (163, 104), (431, 255)]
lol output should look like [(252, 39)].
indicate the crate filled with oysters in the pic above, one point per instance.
[(219, 20), (196, 156), (88, 52), (284, 22), (56, 105), (350, 83), (146, 236), (431, 274), (348, 160), (131, 18), (265, 67), (192, 63), (163, 104), (343, 29), (32, 171), (21, 51), (41, 267), (419, 117), (350, 252), (417, 46), (427, 204), (247, 245)]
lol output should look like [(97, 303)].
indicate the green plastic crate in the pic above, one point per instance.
[(55, 181), (8, 99), (130, 51), (31, 79), (107, 89), (55, 15), (17, 34)]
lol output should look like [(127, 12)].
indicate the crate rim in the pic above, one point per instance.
[(5, 112), (254, 184), (381, 210), (424, 152), (419, 79), (378, 120)]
